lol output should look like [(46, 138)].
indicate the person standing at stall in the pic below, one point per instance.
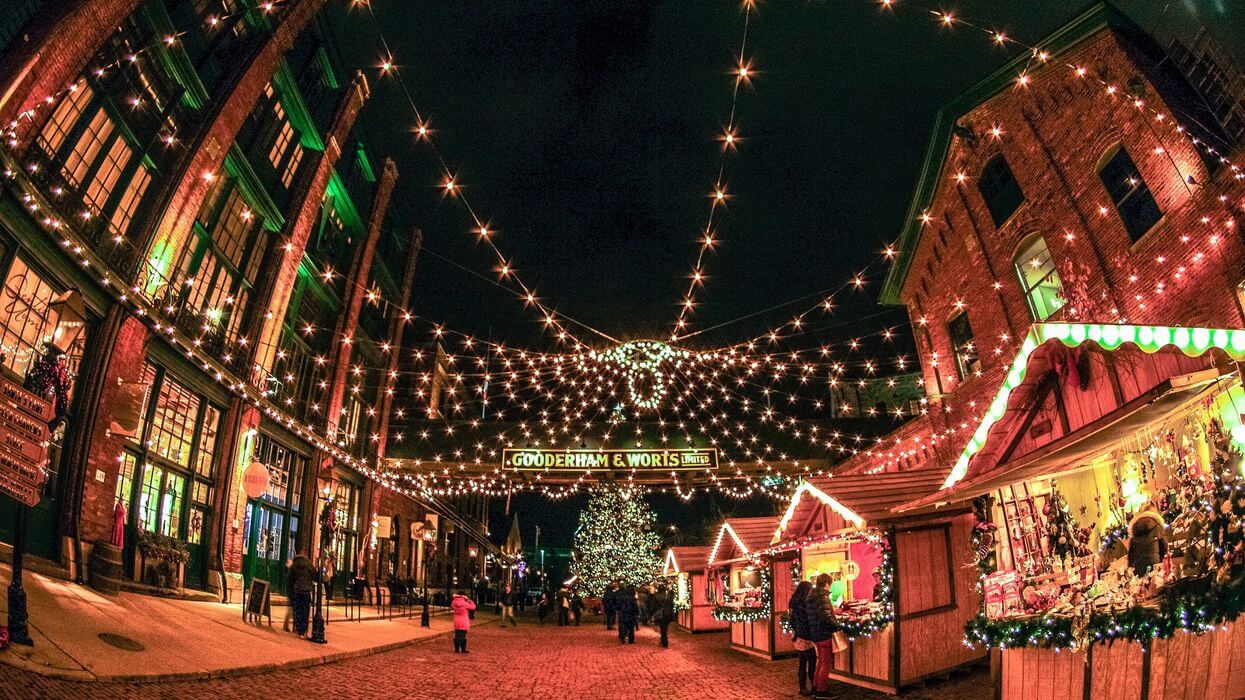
[(821, 628), (663, 613), (628, 615), (801, 633)]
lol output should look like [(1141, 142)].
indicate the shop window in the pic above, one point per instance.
[(1038, 279), (173, 450), (1129, 193), (347, 496), (967, 361), (25, 323), (1000, 190)]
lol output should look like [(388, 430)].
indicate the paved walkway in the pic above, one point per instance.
[(179, 639), (521, 662)]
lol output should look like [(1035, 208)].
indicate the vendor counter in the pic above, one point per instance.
[(1209, 666)]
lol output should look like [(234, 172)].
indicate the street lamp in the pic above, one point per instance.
[(429, 535)]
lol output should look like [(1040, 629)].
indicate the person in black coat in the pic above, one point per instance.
[(628, 615), (801, 632), (663, 612), (609, 602), (821, 628)]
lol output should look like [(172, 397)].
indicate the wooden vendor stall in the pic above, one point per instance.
[(684, 568), (748, 591), (899, 583), (1107, 486)]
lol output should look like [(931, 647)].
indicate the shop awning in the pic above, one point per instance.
[(1071, 451), (679, 559)]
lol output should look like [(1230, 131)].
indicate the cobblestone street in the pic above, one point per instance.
[(528, 661)]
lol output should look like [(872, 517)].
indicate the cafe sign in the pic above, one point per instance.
[(529, 459)]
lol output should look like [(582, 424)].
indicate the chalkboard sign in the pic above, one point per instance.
[(258, 602)]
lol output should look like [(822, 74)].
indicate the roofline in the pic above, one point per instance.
[(1096, 17), (805, 486), (1193, 342)]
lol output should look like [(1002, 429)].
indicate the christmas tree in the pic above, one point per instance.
[(1064, 537), (616, 540)]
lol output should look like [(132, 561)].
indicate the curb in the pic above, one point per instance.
[(236, 672)]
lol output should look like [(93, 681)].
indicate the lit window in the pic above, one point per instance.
[(24, 320), (967, 361), (64, 117), (1130, 194), (1000, 190), (1038, 279), (86, 151), (133, 194)]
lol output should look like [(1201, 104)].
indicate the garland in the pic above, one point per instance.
[(730, 613), (1197, 606)]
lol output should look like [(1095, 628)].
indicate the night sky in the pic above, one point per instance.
[(585, 132)]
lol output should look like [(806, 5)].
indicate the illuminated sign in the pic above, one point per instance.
[(612, 460)]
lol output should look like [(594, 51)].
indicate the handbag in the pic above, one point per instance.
[(838, 642)]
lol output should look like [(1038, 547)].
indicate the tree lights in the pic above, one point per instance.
[(616, 541)]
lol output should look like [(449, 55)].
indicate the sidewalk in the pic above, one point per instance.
[(182, 639)]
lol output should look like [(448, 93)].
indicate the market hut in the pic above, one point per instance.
[(684, 568), (899, 584), (1107, 488), (750, 591)]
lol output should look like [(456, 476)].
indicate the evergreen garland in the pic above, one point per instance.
[(616, 540)]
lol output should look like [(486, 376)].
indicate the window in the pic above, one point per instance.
[(64, 117), (221, 262), (170, 462), (1000, 190), (967, 361), (1038, 279), (24, 320), (1129, 194)]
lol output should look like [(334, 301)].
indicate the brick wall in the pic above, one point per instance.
[(1055, 135)]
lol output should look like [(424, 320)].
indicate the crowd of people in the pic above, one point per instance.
[(627, 607)]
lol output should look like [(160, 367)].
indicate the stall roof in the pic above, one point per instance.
[(1153, 404), (747, 535), (685, 559), (860, 499)]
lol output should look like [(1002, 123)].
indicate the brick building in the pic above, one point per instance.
[(1097, 180), (192, 168)]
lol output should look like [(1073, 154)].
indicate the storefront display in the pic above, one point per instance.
[(897, 580), (1124, 524), (684, 569)]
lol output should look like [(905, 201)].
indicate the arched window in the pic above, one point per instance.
[(1000, 190), (1038, 279), (967, 361), (1129, 193)]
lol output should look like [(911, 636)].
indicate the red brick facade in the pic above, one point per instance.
[(1055, 134)]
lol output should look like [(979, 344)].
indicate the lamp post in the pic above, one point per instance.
[(70, 313), (429, 535)]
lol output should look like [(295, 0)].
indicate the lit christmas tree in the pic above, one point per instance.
[(616, 540)]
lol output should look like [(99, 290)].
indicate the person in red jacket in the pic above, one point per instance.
[(462, 607)]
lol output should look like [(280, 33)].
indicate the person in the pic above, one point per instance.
[(302, 578), (462, 607), (542, 608), (663, 613), (800, 632), (821, 629), (608, 602), (628, 615), (564, 607), (642, 601), (577, 607), (507, 607)]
